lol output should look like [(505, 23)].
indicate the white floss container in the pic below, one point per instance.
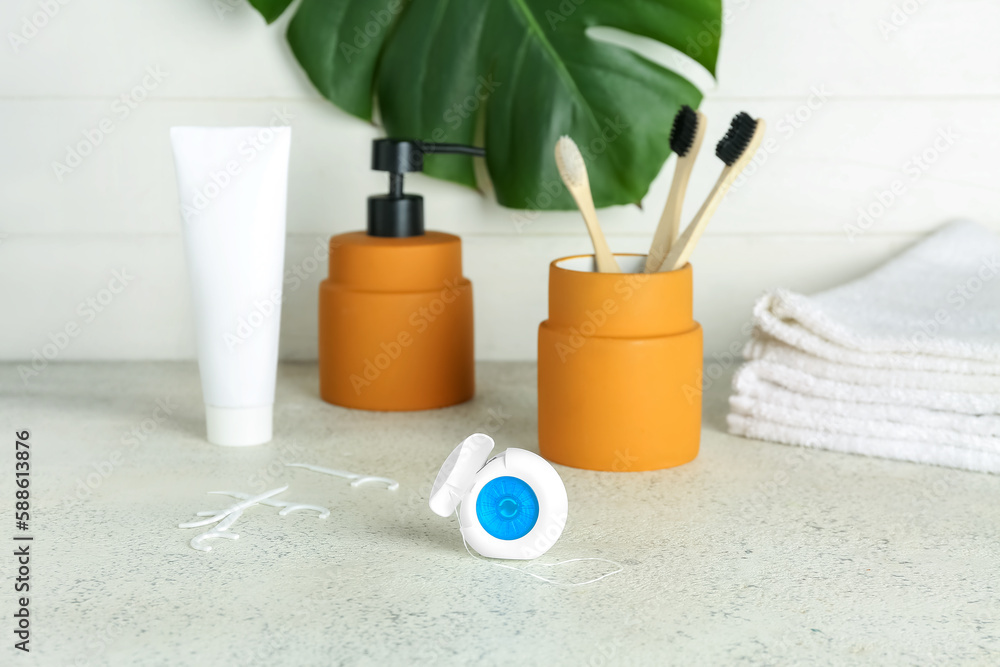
[(513, 506)]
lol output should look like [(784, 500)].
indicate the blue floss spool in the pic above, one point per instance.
[(507, 508)]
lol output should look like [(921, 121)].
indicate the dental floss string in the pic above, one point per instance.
[(540, 577), (358, 480)]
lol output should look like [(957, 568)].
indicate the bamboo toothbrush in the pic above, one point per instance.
[(685, 140), (736, 149), (574, 174)]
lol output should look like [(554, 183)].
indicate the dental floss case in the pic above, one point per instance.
[(395, 312), (619, 367), (511, 506)]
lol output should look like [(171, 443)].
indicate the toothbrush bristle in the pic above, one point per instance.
[(684, 130), (570, 162), (741, 130)]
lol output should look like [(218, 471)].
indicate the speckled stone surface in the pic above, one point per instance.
[(755, 553)]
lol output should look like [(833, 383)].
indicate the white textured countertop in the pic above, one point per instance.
[(754, 553)]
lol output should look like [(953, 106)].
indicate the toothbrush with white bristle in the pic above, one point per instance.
[(574, 174), (686, 136), (735, 149)]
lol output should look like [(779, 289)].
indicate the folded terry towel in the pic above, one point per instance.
[(935, 307), (751, 387), (772, 350), (903, 363), (904, 450)]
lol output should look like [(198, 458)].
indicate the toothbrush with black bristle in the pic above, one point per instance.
[(686, 136), (735, 149)]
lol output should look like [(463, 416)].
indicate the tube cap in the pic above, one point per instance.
[(239, 427), (458, 474)]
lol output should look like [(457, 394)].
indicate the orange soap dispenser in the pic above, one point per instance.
[(395, 313)]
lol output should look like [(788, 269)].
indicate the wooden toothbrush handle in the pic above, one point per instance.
[(682, 250), (603, 257), (670, 220)]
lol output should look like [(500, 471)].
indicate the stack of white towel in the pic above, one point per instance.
[(903, 363)]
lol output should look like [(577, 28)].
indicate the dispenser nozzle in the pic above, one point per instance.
[(398, 214)]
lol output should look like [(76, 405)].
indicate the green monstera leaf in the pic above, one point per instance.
[(512, 75)]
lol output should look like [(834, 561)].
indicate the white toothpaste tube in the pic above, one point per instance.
[(233, 184)]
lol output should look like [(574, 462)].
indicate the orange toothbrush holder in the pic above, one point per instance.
[(619, 367)]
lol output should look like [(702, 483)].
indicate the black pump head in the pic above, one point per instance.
[(397, 214)]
